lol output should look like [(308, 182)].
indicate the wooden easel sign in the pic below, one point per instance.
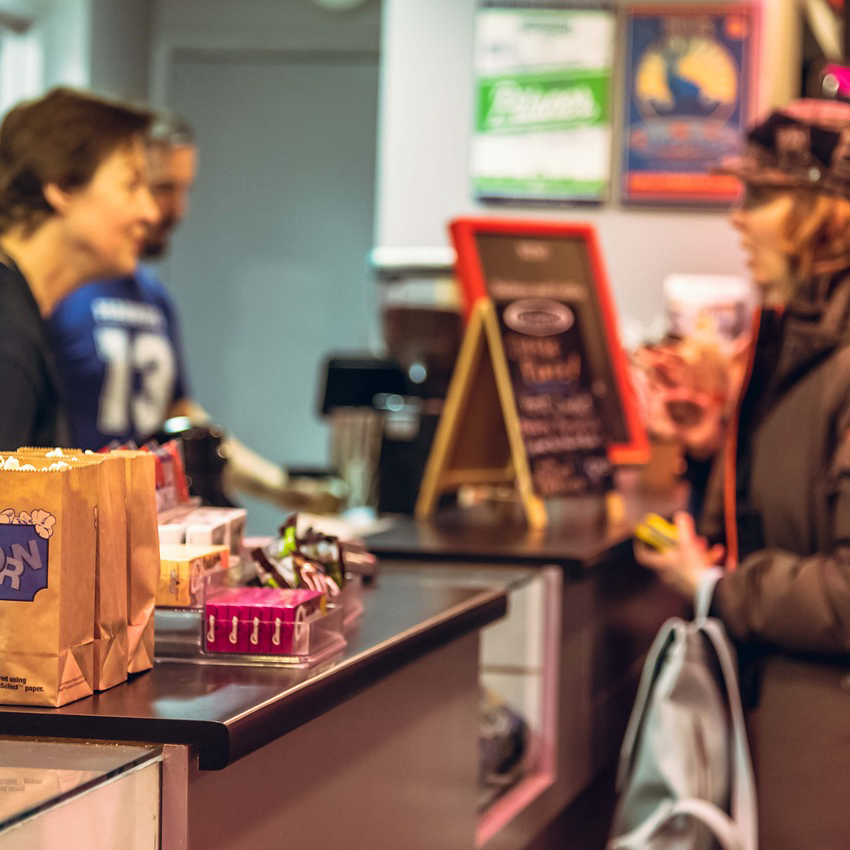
[(540, 396)]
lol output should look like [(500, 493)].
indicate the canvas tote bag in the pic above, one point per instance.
[(685, 776)]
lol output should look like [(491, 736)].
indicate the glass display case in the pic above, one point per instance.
[(520, 655), (64, 794)]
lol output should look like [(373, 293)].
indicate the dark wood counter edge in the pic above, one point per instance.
[(296, 707), (574, 566), (93, 727), (218, 744), (579, 538)]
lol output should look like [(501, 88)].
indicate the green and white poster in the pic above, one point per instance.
[(542, 124)]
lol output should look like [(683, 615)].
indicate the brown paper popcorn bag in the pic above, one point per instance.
[(142, 551), (111, 645), (110, 596), (47, 573), (143, 557)]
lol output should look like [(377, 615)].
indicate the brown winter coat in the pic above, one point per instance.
[(787, 500)]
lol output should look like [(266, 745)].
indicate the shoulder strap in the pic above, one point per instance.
[(743, 804), (654, 657), (719, 824), (705, 593), (836, 316), (6, 260)]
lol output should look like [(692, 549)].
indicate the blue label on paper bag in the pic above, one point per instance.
[(23, 562)]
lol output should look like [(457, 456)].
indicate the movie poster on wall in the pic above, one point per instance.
[(688, 100), (542, 123)]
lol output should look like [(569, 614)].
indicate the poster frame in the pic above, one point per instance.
[(534, 193), (709, 190)]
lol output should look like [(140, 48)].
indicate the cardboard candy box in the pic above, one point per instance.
[(183, 569), (261, 620), (205, 526)]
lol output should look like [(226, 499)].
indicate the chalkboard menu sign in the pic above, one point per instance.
[(559, 412), (540, 396), (559, 332)]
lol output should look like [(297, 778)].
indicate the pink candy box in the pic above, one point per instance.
[(260, 620)]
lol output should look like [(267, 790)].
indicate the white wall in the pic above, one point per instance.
[(423, 166), (269, 270), (120, 47), (99, 44), (267, 24), (256, 26), (63, 31)]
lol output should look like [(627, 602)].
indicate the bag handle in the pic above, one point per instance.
[(743, 803), (654, 657), (719, 824), (722, 827), (666, 634), (705, 592)]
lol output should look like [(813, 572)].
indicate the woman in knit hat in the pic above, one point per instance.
[(777, 514)]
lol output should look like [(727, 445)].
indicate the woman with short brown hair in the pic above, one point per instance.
[(74, 206)]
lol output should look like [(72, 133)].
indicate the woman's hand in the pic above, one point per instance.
[(688, 388), (681, 566)]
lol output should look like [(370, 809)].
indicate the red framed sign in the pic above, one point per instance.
[(558, 329)]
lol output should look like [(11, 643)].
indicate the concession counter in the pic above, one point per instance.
[(373, 743), (600, 612), (381, 745)]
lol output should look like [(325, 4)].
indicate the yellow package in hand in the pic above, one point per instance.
[(657, 532)]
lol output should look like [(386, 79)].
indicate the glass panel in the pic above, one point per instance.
[(38, 775)]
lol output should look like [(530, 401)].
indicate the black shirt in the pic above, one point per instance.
[(31, 410)]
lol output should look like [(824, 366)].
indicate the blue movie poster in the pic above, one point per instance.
[(688, 84)]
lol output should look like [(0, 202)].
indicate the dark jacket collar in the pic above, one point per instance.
[(816, 322)]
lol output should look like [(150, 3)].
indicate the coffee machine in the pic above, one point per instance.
[(423, 327), (385, 408)]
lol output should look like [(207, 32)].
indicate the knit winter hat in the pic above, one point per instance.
[(805, 144)]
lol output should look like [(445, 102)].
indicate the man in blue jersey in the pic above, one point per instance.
[(117, 342), (118, 348)]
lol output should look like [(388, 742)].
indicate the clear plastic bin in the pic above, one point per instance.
[(271, 625), (252, 626), (350, 600)]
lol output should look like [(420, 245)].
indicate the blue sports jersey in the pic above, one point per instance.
[(118, 351)]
